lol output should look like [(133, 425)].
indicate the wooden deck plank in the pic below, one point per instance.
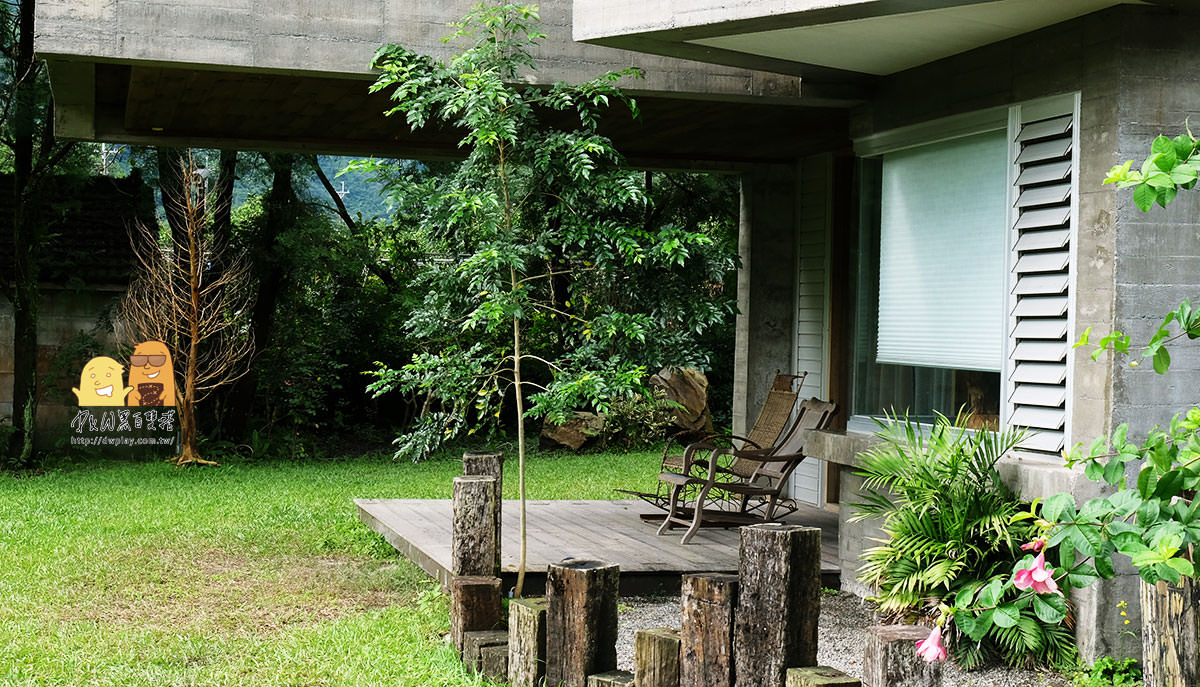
[(609, 530)]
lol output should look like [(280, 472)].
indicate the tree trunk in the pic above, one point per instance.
[(526, 642), (474, 605), (1170, 625), (490, 464), (656, 658), (581, 620), (473, 540), (221, 200), (27, 246), (282, 210), (779, 603), (708, 601)]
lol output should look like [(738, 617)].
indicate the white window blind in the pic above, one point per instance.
[(942, 254)]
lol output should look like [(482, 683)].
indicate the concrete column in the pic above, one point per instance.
[(767, 246)]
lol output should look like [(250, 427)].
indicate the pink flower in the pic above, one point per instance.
[(931, 648), (1037, 577), (1035, 546)]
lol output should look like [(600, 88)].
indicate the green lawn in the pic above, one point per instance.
[(244, 574)]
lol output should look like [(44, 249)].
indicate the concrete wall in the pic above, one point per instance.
[(339, 38), (767, 246)]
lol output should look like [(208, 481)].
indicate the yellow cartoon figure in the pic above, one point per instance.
[(100, 384), (151, 375)]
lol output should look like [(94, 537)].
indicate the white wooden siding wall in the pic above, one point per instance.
[(812, 317), (1043, 141)]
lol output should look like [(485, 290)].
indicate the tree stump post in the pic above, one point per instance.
[(474, 605), (494, 660), (581, 620), (706, 656), (890, 658), (778, 604), (526, 642), (489, 464), (612, 678), (656, 657), (473, 542), (820, 676), (1170, 626), (476, 641)]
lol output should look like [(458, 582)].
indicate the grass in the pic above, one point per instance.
[(252, 573)]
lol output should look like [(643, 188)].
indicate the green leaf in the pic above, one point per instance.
[(1055, 507), (1083, 338), (1183, 566), (1147, 513), (977, 627), (1050, 608), (1144, 197), (990, 595), (1006, 616), (1162, 360), (1105, 568), (1164, 150)]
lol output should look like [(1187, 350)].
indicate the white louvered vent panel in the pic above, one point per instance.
[(1040, 281)]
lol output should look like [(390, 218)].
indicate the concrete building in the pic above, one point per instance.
[(923, 223)]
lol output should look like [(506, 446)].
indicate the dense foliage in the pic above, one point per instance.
[(953, 535), (558, 277)]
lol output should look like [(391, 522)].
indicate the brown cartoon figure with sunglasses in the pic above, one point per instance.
[(151, 375)]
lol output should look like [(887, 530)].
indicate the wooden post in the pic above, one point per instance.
[(779, 603), (820, 676), (473, 542), (706, 658), (474, 605), (526, 642), (1170, 625), (890, 658), (494, 660), (474, 643), (581, 620), (656, 657), (612, 678), (489, 464)]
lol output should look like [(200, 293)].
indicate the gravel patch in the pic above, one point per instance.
[(843, 618)]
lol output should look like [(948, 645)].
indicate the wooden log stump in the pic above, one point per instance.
[(494, 660), (581, 620), (612, 678), (779, 603), (474, 643), (489, 464), (474, 605), (1170, 626), (526, 642), (706, 656), (656, 657), (473, 541), (820, 676), (890, 658)]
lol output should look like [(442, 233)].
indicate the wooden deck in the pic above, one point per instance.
[(606, 530)]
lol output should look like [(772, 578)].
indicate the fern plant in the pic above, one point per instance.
[(948, 518)]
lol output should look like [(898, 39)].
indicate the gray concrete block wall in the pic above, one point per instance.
[(1157, 252)]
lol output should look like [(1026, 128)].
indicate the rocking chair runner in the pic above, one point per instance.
[(772, 420), (757, 497)]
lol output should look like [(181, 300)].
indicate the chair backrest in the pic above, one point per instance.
[(814, 414), (772, 420)]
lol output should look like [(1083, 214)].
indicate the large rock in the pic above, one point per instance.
[(689, 388), (573, 433)]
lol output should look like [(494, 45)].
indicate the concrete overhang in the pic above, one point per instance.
[(292, 75), (824, 41)]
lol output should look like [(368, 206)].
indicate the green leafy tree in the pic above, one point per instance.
[(539, 209)]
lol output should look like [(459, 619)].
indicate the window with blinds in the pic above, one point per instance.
[(1040, 278)]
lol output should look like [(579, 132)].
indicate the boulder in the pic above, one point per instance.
[(689, 388), (573, 433)]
